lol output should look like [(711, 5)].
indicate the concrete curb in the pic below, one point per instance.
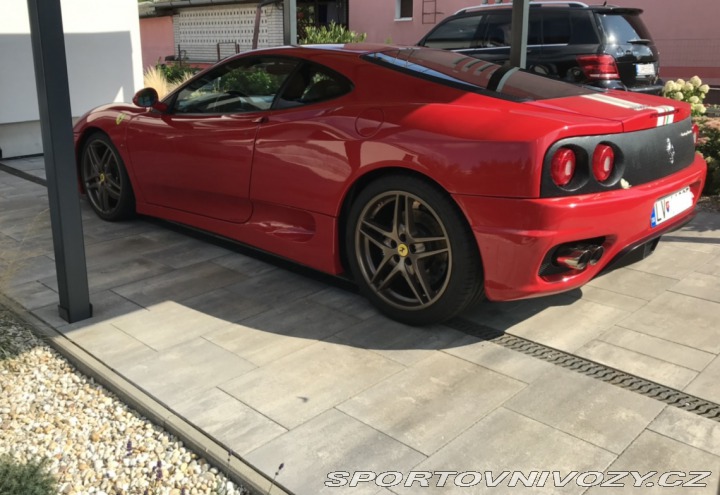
[(193, 438)]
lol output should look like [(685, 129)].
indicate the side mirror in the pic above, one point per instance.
[(148, 98)]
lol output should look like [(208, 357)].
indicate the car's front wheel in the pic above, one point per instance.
[(411, 252), (105, 179)]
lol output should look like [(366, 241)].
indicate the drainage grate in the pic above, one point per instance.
[(621, 379)]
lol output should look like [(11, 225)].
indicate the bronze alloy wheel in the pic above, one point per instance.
[(403, 250), (411, 250), (105, 179)]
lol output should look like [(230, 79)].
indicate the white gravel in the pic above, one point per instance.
[(95, 443)]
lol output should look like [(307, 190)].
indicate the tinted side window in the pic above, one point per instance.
[(312, 83), (498, 31), (584, 29), (461, 32), (556, 28)]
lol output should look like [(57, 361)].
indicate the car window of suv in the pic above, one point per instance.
[(621, 29), (556, 27), (458, 33), (241, 85), (498, 33)]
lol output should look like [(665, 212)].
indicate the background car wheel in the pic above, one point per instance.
[(105, 179), (411, 252)]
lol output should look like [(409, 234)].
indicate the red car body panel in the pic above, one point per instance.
[(279, 179)]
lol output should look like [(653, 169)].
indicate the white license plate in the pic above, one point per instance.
[(645, 69), (672, 205)]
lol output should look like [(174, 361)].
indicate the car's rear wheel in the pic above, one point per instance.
[(105, 179), (411, 252)]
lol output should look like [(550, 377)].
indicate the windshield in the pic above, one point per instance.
[(475, 75)]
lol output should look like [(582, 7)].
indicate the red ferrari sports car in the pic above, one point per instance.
[(432, 178)]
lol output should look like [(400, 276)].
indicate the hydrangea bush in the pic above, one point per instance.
[(692, 92)]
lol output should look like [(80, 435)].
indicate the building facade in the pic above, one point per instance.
[(685, 33), (102, 44)]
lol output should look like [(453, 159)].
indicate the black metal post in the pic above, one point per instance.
[(48, 44), (290, 22), (518, 50)]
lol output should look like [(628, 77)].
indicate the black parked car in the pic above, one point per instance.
[(603, 46)]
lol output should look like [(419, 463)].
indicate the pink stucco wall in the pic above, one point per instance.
[(156, 34), (687, 36)]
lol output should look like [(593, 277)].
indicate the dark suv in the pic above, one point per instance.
[(603, 46)]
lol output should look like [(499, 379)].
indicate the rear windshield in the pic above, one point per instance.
[(475, 75), (621, 29)]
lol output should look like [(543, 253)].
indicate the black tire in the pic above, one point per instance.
[(411, 252), (105, 179)]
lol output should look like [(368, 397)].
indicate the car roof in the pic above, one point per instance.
[(607, 9)]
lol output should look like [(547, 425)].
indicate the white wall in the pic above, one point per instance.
[(104, 60)]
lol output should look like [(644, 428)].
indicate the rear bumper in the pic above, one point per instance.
[(653, 89), (515, 236)]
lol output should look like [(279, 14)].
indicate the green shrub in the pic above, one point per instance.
[(176, 72), (25, 479), (333, 33), (709, 147)]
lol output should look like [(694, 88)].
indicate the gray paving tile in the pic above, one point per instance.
[(185, 370), (642, 365), (168, 323), (331, 442), (222, 303), (276, 333), (98, 230), (306, 383), (348, 302), (179, 284), (119, 250), (277, 287), (568, 327), (612, 299), (434, 401), (503, 315), (707, 383), (31, 295), (700, 285), (678, 318), (12, 249), (188, 252), (27, 270), (633, 283), (106, 306), (681, 240), (229, 421), (110, 345), (599, 413), (110, 275), (245, 264), (652, 452), (504, 441), (500, 359), (672, 262), (402, 343), (688, 428), (658, 348), (712, 267)]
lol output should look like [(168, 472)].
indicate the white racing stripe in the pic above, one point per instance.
[(665, 113)]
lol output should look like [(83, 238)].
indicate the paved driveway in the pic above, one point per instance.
[(285, 368)]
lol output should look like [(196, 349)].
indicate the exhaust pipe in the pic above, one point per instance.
[(578, 257)]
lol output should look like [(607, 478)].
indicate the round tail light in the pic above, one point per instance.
[(696, 134), (603, 162), (562, 168)]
